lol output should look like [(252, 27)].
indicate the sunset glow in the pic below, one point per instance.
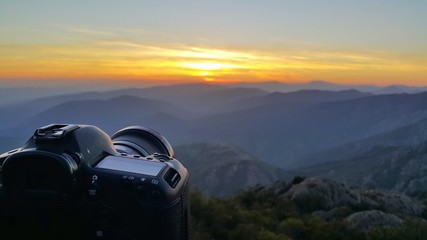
[(74, 51)]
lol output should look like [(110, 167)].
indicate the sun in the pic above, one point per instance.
[(205, 66), (206, 75), (208, 70), (210, 64)]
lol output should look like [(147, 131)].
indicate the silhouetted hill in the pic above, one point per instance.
[(221, 170)]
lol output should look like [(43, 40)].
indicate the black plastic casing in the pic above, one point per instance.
[(54, 187)]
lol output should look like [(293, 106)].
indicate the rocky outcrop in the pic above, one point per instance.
[(392, 202), (366, 220), (325, 194)]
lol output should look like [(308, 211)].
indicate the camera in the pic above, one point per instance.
[(71, 181)]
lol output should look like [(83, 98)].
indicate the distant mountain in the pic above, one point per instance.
[(110, 115), (15, 95), (401, 169), (399, 89), (313, 85), (202, 98), (164, 93), (12, 95), (324, 85), (188, 95), (295, 126), (221, 170), (205, 98), (283, 129), (408, 135), (283, 133), (314, 96)]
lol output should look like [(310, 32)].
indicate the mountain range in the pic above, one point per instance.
[(251, 131), (286, 132), (324, 85)]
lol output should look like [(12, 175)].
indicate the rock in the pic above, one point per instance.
[(392, 202), (324, 193), (315, 194), (366, 220)]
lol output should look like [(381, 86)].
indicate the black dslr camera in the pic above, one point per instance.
[(75, 182)]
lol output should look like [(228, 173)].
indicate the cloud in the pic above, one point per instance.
[(129, 59)]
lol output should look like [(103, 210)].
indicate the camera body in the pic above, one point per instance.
[(73, 181)]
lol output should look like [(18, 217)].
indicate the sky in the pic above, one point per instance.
[(380, 42)]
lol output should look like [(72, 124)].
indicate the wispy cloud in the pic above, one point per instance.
[(128, 59)]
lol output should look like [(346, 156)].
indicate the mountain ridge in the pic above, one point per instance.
[(400, 169), (220, 169)]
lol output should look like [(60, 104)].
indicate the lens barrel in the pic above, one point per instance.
[(141, 141)]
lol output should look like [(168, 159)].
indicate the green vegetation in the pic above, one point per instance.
[(262, 214)]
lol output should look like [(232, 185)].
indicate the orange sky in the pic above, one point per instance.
[(114, 60)]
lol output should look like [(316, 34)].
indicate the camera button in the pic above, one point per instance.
[(100, 233), (105, 216), (94, 191), (141, 190), (156, 195)]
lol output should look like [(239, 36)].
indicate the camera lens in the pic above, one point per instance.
[(141, 141)]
